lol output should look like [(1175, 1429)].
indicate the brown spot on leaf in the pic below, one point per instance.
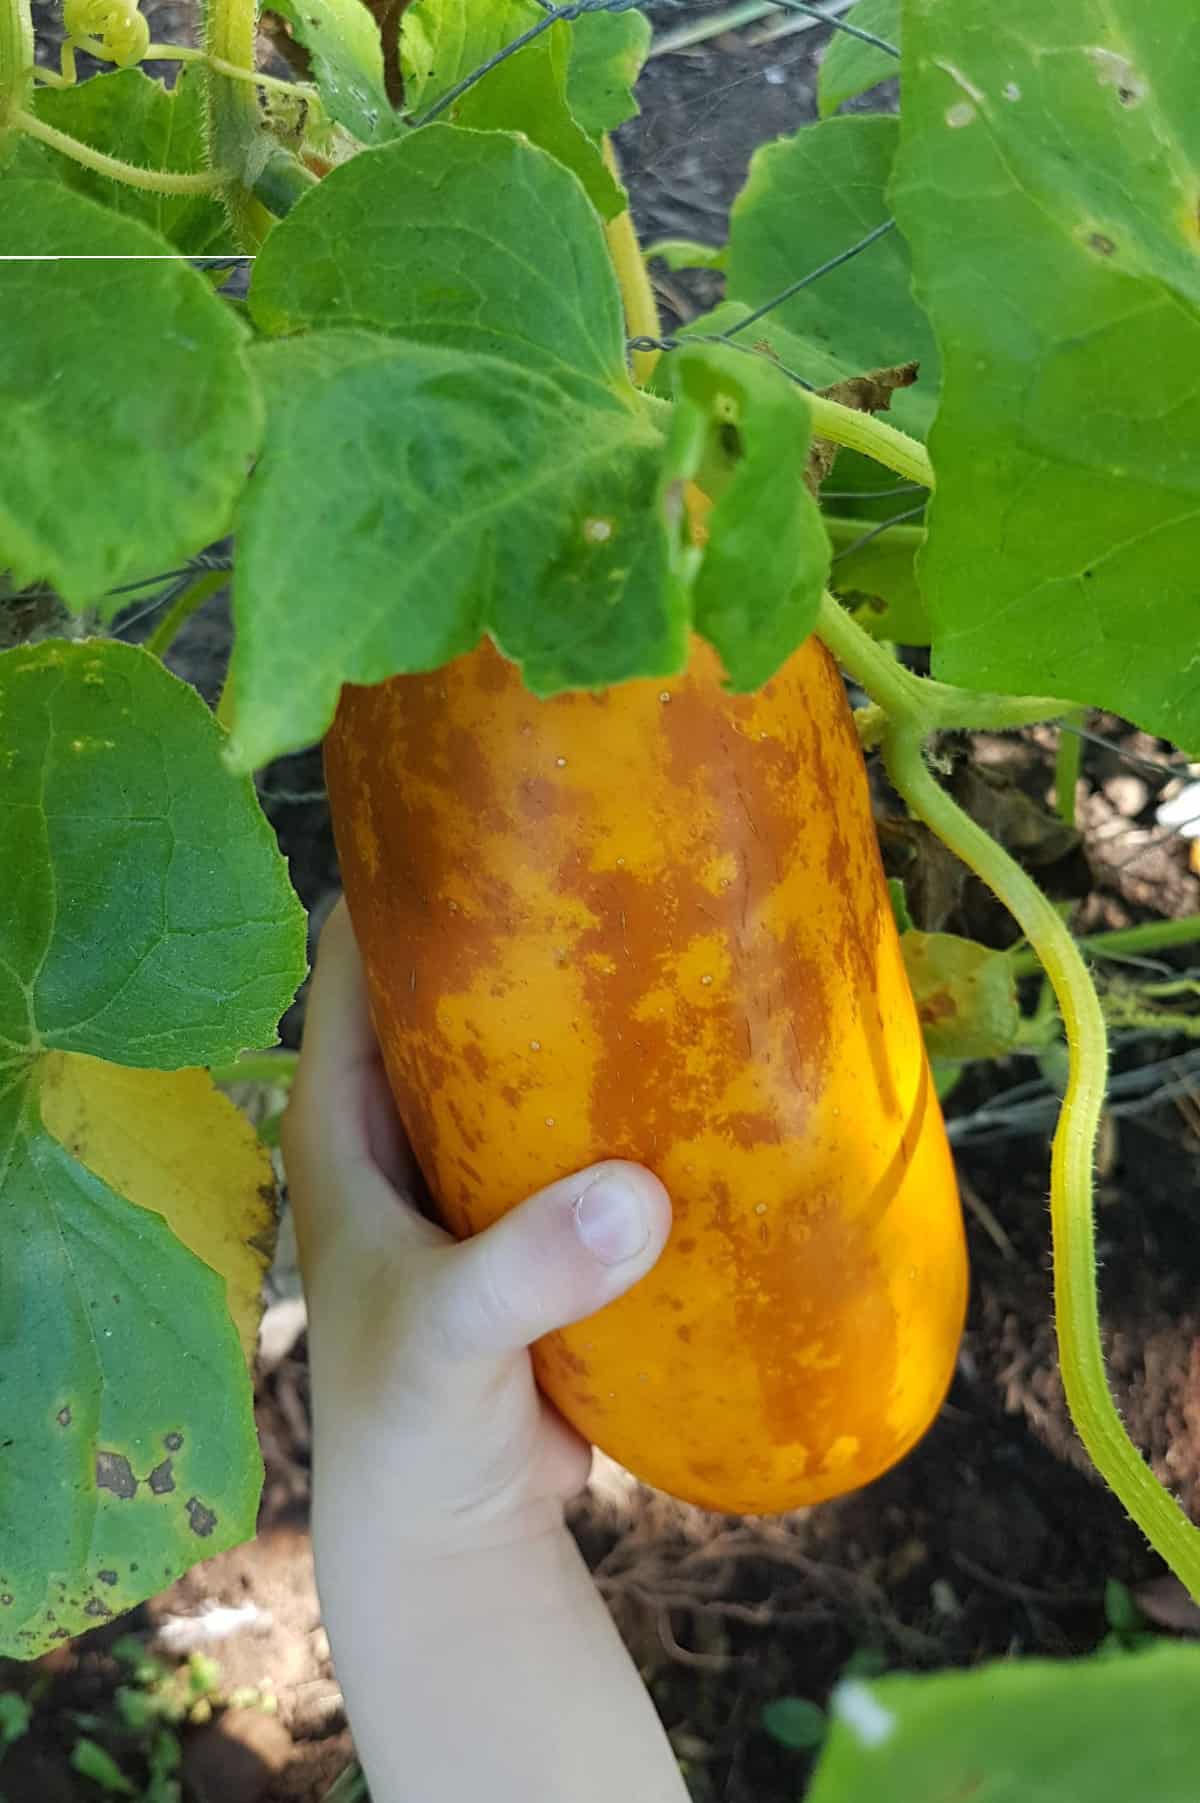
[(97, 1608), (161, 1479), (64, 1416), (201, 1520), (172, 1442), (107, 1577), (1101, 243), (6, 1600), (115, 1473)]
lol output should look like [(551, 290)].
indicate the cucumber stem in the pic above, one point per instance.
[(181, 611), (633, 278), (872, 436), (155, 181), (16, 60), (1151, 936), (1076, 1305)]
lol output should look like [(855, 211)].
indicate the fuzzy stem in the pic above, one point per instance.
[(1076, 1307), (16, 60), (177, 616), (234, 129), (157, 181), (902, 695), (1151, 936), (641, 308), (873, 437)]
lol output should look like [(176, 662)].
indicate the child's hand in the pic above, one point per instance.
[(427, 1421)]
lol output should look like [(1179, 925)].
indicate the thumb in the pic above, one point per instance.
[(554, 1259)]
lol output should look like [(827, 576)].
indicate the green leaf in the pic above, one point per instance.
[(347, 63), (807, 199), (147, 914), (91, 1760), (127, 115), (849, 67), (1020, 1731), (686, 253), (608, 51), (410, 497), (562, 90), (145, 917), (1047, 184), (528, 93), (882, 572), (965, 994), (129, 419), (899, 901), (794, 1722), (16, 1713), (477, 240), (743, 430)]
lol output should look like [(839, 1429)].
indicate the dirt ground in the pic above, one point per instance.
[(990, 1539)]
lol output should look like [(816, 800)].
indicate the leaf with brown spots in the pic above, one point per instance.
[(145, 916)]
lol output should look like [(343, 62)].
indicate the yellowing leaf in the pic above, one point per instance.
[(171, 1142)]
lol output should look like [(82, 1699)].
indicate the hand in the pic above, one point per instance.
[(427, 1421)]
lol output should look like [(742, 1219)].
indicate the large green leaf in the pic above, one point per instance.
[(145, 916), (409, 497), (849, 66), (128, 116), (1106, 1730), (347, 63), (129, 418), (476, 240), (807, 199), (743, 430), (1047, 183)]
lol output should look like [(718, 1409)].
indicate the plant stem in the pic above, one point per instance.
[(1152, 936), (918, 699), (641, 308), (257, 1067), (176, 616), (1081, 1355), (16, 60), (1068, 760), (187, 53), (873, 437), (16, 56), (234, 131), (156, 181)]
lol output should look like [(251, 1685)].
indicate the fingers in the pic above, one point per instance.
[(554, 1259), (344, 1148)]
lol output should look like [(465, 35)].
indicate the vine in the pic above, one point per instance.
[(907, 720)]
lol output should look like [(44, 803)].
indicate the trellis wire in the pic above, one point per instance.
[(897, 519), (853, 31), (1033, 1106), (576, 9)]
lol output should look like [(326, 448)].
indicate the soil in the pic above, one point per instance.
[(992, 1538)]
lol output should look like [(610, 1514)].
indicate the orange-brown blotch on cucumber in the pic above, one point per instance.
[(652, 923)]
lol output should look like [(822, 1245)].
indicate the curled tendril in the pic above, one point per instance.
[(115, 25)]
